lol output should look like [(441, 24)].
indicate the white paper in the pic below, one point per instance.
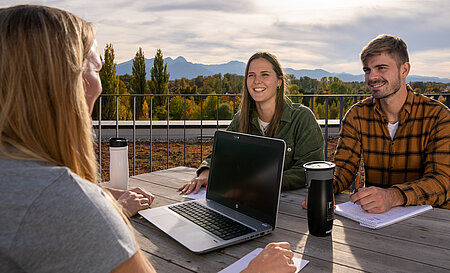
[(378, 220), (200, 195), (243, 262)]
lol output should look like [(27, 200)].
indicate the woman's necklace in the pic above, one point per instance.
[(263, 125)]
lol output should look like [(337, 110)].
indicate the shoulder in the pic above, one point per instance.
[(234, 125), (67, 217), (431, 106), (297, 110), (361, 110)]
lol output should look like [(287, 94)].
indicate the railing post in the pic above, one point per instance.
[(151, 132), (201, 129), (134, 135), (184, 132), (326, 128), (341, 111), (167, 135), (117, 116), (99, 130), (217, 112)]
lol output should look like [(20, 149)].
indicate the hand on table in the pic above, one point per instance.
[(135, 200), (377, 200), (196, 183), (276, 257)]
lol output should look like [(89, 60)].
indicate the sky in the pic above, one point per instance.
[(303, 34)]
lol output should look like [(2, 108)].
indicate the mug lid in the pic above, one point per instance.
[(319, 165), (118, 142)]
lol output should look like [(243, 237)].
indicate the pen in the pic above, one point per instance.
[(356, 184)]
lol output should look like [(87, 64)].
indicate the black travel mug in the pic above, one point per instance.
[(319, 180)]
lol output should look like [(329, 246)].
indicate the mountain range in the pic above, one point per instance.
[(180, 67)]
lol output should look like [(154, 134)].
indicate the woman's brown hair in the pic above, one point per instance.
[(248, 106)]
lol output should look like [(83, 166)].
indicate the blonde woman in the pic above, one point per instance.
[(53, 216)]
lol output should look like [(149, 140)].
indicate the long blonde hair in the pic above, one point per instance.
[(44, 115), (248, 105)]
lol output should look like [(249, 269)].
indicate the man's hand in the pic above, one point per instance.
[(377, 200), (196, 183), (276, 257), (135, 200), (305, 203)]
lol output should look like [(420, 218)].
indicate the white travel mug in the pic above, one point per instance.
[(118, 163)]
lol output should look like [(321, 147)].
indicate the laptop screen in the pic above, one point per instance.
[(246, 173)]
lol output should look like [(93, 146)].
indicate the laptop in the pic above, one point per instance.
[(242, 196)]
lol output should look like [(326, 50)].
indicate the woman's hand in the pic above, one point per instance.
[(196, 183), (276, 257), (135, 200)]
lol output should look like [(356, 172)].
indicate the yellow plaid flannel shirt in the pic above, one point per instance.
[(416, 161)]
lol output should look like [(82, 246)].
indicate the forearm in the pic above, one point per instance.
[(397, 197), (293, 178), (205, 165), (116, 193), (347, 157), (433, 190)]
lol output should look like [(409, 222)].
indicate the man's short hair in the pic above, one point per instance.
[(390, 44)]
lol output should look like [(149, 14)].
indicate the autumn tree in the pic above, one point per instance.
[(159, 79), (110, 85), (138, 82)]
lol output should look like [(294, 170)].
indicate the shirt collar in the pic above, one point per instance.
[(406, 108)]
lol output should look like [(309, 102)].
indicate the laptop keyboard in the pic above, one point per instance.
[(214, 222)]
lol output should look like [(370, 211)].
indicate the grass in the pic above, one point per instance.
[(180, 154)]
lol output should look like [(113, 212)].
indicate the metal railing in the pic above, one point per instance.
[(206, 124)]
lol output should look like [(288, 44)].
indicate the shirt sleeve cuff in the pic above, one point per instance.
[(408, 193)]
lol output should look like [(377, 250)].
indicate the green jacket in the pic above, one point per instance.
[(304, 141)]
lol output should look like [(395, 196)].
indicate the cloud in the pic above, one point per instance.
[(303, 34), (232, 6)]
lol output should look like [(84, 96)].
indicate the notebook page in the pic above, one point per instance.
[(378, 220)]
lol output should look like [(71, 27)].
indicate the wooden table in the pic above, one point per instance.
[(419, 244)]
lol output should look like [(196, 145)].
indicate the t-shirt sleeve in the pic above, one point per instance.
[(72, 227)]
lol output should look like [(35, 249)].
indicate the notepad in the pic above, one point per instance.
[(379, 220)]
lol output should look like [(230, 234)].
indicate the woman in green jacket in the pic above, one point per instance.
[(266, 110)]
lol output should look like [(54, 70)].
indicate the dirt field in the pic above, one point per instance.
[(179, 155)]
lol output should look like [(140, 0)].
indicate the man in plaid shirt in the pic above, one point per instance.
[(403, 137)]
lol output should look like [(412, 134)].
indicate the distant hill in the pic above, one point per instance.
[(180, 67)]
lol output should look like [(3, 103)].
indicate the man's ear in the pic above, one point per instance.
[(404, 69)]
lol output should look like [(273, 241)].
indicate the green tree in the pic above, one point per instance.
[(110, 85), (176, 108), (125, 112), (210, 107), (159, 79), (138, 82), (225, 111)]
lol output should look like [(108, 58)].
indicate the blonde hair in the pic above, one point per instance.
[(248, 106), (44, 115)]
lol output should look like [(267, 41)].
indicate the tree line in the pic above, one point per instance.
[(225, 87)]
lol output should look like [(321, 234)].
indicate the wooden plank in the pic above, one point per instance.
[(373, 242), (325, 248), (162, 265), (159, 244)]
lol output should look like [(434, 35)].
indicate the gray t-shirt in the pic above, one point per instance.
[(51, 220)]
